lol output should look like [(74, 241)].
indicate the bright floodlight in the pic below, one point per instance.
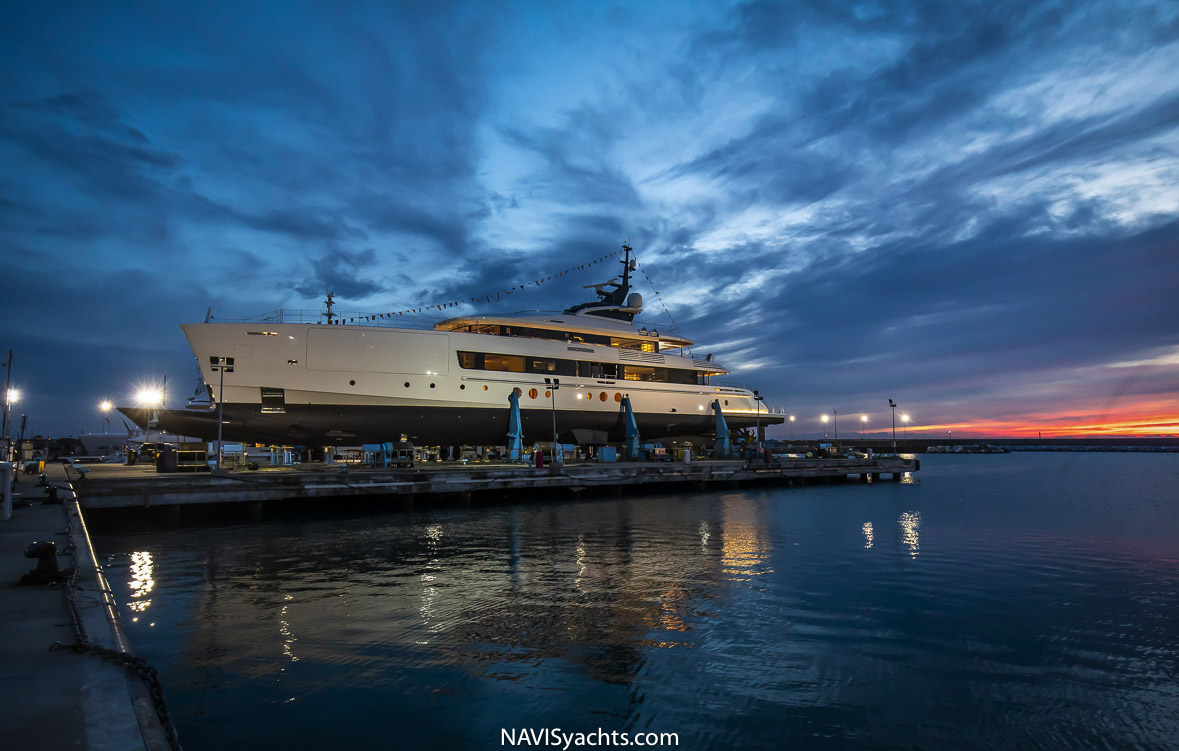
[(149, 397), (904, 418), (791, 418), (105, 405), (863, 418), (13, 396), (824, 418)]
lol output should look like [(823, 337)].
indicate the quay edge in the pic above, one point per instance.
[(57, 698), (108, 486)]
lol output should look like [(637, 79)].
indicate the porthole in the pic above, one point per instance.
[(462, 387), (546, 395), (602, 396), (617, 397), (518, 391), (431, 385), (531, 393), (726, 402), (351, 383), (407, 384), (485, 388)]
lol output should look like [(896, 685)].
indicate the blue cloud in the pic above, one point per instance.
[(950, 201)]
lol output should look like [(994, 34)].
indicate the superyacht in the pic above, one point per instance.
[(331, 383)]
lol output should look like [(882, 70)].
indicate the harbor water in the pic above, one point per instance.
[(994, 601)]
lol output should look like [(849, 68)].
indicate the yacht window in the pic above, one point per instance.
[(602, 370), (551, 366), (508, 363), (639, 373), (579, 368), (471, 360)]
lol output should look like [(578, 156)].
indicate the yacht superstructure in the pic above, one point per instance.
[(328, 383)]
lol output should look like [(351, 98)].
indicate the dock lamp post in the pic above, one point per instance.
[(824, 418), (11, 397), (792, 429), (552, 384), (105, 407), (905, 423), (863, 425), (148, 398), (8, 399), (223, 365), (893, 406), (758, 399)]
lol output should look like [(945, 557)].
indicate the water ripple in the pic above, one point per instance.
[(1022, 608)]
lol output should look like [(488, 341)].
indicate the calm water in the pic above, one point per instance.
[(1012, 601)]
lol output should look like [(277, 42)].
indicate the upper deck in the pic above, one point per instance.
[(569, 328)]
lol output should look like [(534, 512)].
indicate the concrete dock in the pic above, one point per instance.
[(117, 486), (62, 698)]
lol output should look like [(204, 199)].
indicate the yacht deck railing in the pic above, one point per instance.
[(392, 321), (384, 320)]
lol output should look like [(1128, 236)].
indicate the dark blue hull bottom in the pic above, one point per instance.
[(320, 425)]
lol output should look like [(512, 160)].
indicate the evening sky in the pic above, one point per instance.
[(969, 207)]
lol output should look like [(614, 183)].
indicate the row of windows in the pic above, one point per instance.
[(563, 336), (533, 393), (578, 368)]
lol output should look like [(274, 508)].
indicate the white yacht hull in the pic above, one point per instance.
[(329, 384)]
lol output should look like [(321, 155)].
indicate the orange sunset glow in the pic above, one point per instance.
[(1146, 419)]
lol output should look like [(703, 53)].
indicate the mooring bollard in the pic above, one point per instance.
[(46, 572)]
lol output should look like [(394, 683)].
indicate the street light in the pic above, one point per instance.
[(148, 398), (11, 397), (7, 406), (758, 400), (792, 429), (893, 406), (552, 384), (824, 418), (105, 407), (224, 365), (905, 422), (863, 425)]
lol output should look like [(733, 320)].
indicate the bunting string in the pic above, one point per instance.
[(651, 284), (493, 296)]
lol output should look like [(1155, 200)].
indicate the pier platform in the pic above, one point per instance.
[(117, 486), (60, 698)]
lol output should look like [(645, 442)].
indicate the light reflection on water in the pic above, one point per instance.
[(1002, 602), (910, 522), (141, 583)]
